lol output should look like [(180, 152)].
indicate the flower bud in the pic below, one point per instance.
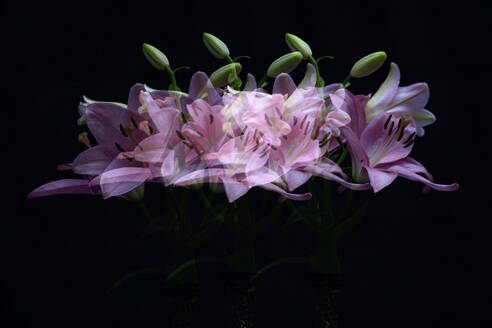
[(155, 57), (297, 44), (368, 64), (217, 48), (285, 64), (225, 75)]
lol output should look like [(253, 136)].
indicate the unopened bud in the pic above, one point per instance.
[(217, 48), (84, 138), (225, 75), (285, 64), (295, 43), (155, 57), (368, 64)]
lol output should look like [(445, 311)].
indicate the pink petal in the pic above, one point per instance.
[(380, 178), (272, 187), (284, 84), (94, 160), (410, 169), (122, 180), (64, 186), (296, 178), (380, 140), (385, 94)]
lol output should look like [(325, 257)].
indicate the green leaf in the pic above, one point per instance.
[(188, 264), (273, 264), (134, 274), (180, 68), (349, 224), (239, 57), (263, 84), (324, 57), (205, 235)]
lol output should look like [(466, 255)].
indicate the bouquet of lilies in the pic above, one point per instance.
[(226, 136), (237, 139)]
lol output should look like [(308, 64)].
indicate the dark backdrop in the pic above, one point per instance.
[(417, 260)]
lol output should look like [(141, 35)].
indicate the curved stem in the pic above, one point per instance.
[(319, 79)]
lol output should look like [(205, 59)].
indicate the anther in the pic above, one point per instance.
[(211, 117), (410, 143), (387, 121), (119, 147), (307, 127), (295, 120), (267, 119), (401, 133), (391, 128), (180, 135), (303, 120), (123, 131), (84, 138), (409, 137), (134, 123)]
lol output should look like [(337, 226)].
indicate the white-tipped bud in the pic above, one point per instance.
[(217, 48), (368, 64), (225, 75), (295, 43), (155, 57), (285, 64)]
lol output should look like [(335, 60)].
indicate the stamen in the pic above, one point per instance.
[(145, 128), (273, 147), (409, 137), (211, 117), (316, 133), (387, 121), (295, 120), (399, 124), (134, 123), (278, 112), (391, 127), (84, 138), (285, 137), (267, 119), (151, 129), (410, 143), (119, 147), (307, 127), (303, 120), (180, 135), (123, 131), (401, 133)]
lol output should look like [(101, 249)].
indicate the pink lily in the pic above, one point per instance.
[(406, 102), (380, 151)]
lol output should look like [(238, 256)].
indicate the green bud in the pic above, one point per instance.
[(295, 43), (285, 64), (368, 64), (225, 75), (155, 57), (217, 48)]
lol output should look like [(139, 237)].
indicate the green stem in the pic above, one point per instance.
[(262, 81), (144, 209), (229, 59), (326, 258), (344, 153), (346, 82), (174, 85), (319, 79)]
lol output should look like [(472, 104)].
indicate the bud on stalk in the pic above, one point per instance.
[(285, 64), (297, 44), (155, 57), (368, 64), (225, 75), (217, 48)]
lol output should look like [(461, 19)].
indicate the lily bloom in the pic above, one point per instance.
[(408, 102), (380, 151)]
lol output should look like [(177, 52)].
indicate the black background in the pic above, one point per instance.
[(417, 260)]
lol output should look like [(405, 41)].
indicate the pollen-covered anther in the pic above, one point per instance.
[(84, 138), (387, 121), (144, 127)]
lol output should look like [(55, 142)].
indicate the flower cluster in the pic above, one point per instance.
[(238, 139)]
